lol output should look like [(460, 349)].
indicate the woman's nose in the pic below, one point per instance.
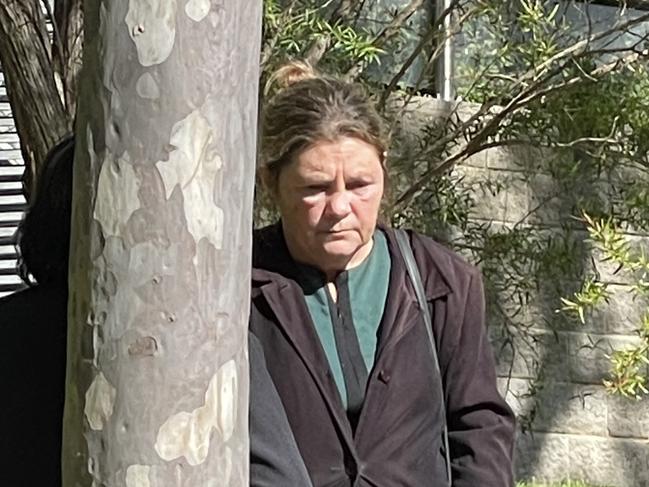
[(339, 204)]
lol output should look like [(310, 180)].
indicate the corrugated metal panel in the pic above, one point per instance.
[(12, 201)]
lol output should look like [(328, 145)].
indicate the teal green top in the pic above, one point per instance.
[(368, 291)]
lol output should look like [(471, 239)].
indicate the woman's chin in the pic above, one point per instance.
[(340, 250)]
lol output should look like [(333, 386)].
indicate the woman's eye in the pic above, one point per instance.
[(316, 187), (357, 185)]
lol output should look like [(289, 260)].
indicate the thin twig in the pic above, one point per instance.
[(318, 48), (431, 32), (477, 143), (386, 34), (344, 8), (401, 18), (58, 42), (269, 47)]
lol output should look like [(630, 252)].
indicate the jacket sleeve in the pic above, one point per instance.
[(481, 424), (274, 457)]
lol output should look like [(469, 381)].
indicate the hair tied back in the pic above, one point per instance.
[(289, 74)]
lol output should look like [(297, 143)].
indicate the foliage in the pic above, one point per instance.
[(629, 366), (286, 28), (530, 81)]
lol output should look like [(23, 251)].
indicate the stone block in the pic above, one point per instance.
[(541, 456), (550, 203), (478, 160), (623, 312), (548, 406), (553, 202), (551, 457), (499, 195), (609, 461), (421, 111), (610, 271), (518, 393), (513, 158), (571, 408), (529, 353), (635, 462), (544, 309), (531, 198), (628, 417), (588, 355)]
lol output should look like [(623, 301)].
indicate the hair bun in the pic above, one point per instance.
[(289, 74)]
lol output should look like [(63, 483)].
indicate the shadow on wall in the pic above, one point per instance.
[(553, 367)]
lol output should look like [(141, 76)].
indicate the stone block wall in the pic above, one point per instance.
[(570, 427)]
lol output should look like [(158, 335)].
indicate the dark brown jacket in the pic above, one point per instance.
[(398, 438)]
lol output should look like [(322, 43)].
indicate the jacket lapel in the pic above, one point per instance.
[(272, 276), (293, 318)]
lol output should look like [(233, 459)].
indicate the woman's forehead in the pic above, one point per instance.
[(350, 154)]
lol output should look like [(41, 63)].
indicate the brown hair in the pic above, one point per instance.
[(308, 107)]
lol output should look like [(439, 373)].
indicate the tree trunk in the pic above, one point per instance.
[(67, 51), (40, 118), (157, 375)]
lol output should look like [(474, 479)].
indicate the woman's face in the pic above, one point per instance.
[(329, 199)]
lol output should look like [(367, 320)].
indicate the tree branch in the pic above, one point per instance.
[(477, 141), (387, 33), (40, 118), (342, 11), (58, 42), (269, 47)]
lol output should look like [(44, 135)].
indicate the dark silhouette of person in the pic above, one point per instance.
[(33, 327)]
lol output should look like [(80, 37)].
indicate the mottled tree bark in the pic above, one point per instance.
[(38, 111), (157, 376)]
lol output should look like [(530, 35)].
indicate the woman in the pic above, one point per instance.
[(343, 334), (33, 324)]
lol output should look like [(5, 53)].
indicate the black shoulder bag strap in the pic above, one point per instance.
[(413, 271)]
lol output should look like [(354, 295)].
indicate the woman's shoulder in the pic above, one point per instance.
[(435, 259)]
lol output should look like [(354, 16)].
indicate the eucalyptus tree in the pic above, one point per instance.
[(157, 374)]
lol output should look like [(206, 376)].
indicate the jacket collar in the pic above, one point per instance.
[(271, 260), (275, 276)]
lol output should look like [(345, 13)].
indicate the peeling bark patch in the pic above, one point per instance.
[(152, 26), (100, 398), (227, 399), (188, 434), (193, 164), (117, 194), (138, 476), (144, 346), (146, 87), (197, 10)]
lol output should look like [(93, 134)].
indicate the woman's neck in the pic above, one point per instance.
[(357, 259)]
